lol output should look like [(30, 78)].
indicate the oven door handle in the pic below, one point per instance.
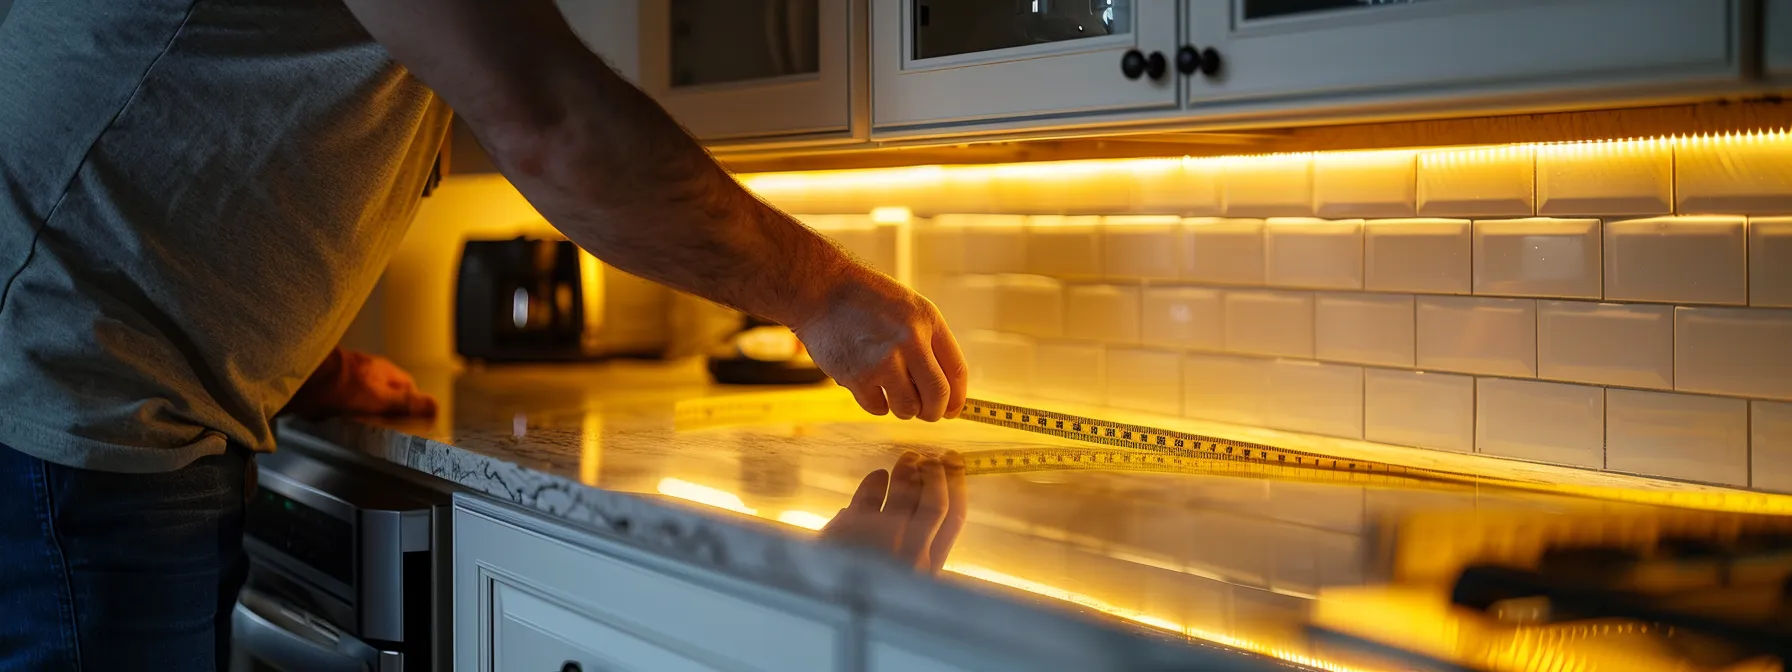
[(275, 639)]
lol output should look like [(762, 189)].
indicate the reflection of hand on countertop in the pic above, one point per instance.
[(913, 511), (357, 383)]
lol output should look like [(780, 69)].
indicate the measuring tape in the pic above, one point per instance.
[(1138, 448), (1153, 449)]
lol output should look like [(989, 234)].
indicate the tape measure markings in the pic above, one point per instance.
[(1182, 444)]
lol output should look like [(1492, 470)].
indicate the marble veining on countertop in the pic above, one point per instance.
[(612, 448)]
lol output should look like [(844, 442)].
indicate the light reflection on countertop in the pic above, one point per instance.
[(1235, 561)]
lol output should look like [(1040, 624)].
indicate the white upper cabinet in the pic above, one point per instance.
[(1778, 31), (609, 28), (1330, 54), (757, 72), (947, 66)]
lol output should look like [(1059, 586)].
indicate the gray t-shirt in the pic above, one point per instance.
[(195, 198)]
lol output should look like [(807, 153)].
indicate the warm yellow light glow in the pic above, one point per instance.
[(1096, 184), (591, 448), (803, 519), (891, 215), (986, 574), (703, 494)]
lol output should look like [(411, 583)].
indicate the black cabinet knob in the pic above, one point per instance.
[(1156, 65), (571, 666), (1210, 61), (1188, 59), (1132, 64)]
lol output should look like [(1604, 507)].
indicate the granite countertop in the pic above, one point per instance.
[(655, 453)]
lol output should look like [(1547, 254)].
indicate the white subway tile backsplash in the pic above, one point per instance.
[(1105, 313), (1226, 389), (1736, 351), (1574, 271), (1000, 361), (1684, 436), (1477, 335), (968, 302), (1268, 186), (1606, 178), (1606, 343), (1366, 184), (1223, 251), (1546, 422), (1178, 187), (939, 248), (1364, 328), (1142, 247), (1557, 258), (1770, 445), (1734, 175), (1064, 246), (1030, 305), (1677, 260), (1481, 182), (1184, 317), (1313, 253), (1264, 322), (1428, 256), (1419, 408), (1770, 262), (1316, 398), (1073, 372), (992, 243), (1145, 380)]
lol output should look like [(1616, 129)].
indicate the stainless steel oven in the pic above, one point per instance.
[(346, 569)]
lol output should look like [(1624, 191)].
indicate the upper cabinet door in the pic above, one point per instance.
[(1392, 53), (966, 63), (757, 72), (1778, 31)]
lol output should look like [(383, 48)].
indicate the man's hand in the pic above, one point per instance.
[(889, 346), (356, 383), (914, 511)]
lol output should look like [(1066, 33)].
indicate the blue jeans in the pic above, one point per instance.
[(107, 571)]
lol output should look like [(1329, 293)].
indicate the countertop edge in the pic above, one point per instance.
[(749, 549)]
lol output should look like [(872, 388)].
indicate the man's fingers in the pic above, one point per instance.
[(869, 498), (905, 486), (953, 367), (422, 405), (900, 389), (957, 507), (929, 512), (931, 384), (870, 397)]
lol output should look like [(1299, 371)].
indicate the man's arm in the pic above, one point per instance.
[(610, 169)]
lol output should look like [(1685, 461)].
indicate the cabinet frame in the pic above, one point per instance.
[(827, 107)]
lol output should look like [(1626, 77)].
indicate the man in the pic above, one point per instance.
[(196, 195)]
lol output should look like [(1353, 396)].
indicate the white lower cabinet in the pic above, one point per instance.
[(529, 601), (899, 649)]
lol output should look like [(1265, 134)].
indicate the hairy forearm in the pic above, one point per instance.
[(607, 166)]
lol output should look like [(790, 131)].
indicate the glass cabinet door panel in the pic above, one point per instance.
[(1263, 9), (721, 41), (953, 27)]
